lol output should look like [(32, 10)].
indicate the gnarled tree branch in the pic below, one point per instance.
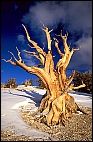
[(40, 51), (10, 61), (72, 87), (56, 45), (45, 29), (69, 80), (33, 54), (20, 59), (13, 55)]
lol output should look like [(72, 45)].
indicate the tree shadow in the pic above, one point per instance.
[(36, 97)]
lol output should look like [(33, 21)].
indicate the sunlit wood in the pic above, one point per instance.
[(57, 104)]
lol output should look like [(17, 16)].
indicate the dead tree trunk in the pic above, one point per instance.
[(57, 105)]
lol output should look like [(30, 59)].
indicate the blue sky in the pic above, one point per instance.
[(72, 16)]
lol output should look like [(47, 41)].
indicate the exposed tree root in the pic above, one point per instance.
[(58, 110)]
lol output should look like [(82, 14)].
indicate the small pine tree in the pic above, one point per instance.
[(2, 85), (27, 82), (11, 83), (41, 84)]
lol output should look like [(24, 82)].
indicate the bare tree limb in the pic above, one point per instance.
[(42, 58), (31, 46), (65, 36), (75, 49), (56, 45), (47, 63), (32, 54), (66, 47), (45, 29), (13, 55), (80, 86), (70, 78), (64, 39), (20, 59), (72, 87), (9, 61), (61, 62), (68, 58), (34, 70), (39, 50)]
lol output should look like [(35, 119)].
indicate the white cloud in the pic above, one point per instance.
[(21, 38), (29, 60), (85, 51), (77, 15), (83, 57)]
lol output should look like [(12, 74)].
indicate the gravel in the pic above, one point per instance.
[(78, 128)]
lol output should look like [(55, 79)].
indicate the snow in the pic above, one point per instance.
[(83, 99), (11, 102), (28, 97)]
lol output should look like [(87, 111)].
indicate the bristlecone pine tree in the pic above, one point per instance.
[(57, 105)]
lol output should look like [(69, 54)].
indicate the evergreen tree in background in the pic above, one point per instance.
[(11, 83), (86, 78)]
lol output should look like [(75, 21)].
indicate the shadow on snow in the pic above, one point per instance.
[(36, 97)]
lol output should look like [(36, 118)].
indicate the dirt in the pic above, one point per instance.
[(9, 135), (77, 128)]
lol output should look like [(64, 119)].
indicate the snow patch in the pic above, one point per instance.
[(20, 104)]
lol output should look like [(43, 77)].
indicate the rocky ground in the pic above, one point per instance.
[(9, 135), (78, 128)]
